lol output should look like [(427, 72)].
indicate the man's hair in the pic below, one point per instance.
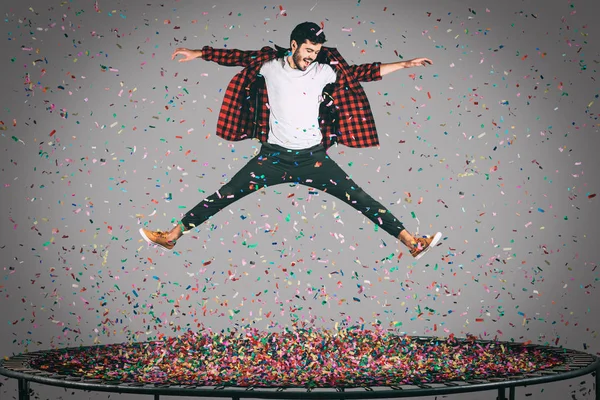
[(308, 31)]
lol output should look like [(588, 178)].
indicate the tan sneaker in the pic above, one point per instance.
[(424, 245), (157, 238)]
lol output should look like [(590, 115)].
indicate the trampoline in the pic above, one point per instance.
[(301, 364)]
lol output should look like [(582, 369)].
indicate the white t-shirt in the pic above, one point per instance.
[(294, 99)]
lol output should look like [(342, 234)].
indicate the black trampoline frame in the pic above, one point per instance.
[(577, 364)]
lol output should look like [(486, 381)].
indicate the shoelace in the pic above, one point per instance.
[(162, 235)]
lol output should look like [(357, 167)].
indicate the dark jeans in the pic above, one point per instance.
[(311, 167)]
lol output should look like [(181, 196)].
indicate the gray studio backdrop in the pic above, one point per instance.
[(495, 145)]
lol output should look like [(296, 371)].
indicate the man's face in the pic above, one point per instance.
[(304, 54)]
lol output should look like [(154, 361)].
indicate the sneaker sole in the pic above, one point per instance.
[(436, 239), (147, 239)]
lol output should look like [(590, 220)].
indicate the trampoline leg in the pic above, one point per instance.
[(23, 389), (598, 384), (511, 393), (157, 397), (501, 394)]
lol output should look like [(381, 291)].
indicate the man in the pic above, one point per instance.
[(297, 103)]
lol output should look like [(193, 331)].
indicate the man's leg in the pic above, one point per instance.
[(259, 172), (327, 175)]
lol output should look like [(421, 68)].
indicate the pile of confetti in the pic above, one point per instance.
[(298, 358)]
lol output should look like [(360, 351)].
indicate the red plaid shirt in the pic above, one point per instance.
[(345, 114)]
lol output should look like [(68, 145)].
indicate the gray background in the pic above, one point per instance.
[(495, 145)]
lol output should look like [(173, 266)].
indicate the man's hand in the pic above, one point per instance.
[(418, 62), (188, 54)]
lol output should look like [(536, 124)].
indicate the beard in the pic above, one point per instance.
[(301, 63)]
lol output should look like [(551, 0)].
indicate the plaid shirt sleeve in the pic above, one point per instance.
[(365, 72), (230, 57)]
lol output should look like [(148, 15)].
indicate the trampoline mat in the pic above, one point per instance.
[(299, 358)]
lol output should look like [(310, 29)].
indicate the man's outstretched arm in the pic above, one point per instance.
[(227, 57), (375, 71), (415, 62)]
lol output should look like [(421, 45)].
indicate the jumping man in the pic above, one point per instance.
[(297, 102)]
